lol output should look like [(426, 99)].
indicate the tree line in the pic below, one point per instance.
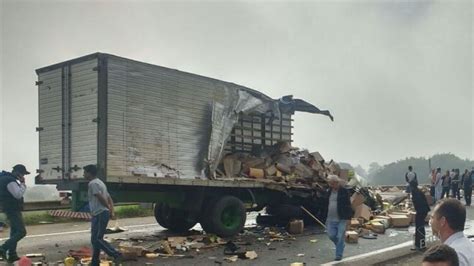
[(394, 173)]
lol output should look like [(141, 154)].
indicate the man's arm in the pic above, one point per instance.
[(17, 190), (102, 199), (111, 206), (406, 177)]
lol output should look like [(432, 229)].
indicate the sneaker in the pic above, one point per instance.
[(338, 259)]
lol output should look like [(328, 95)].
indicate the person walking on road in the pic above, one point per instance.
[(339, 211), (467, 185), (102, 208), (438, 185), (12, 189), (447, 222), (446, 184), (422, 208)]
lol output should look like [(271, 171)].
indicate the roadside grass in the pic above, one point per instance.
[(132, 211), (43, 217)]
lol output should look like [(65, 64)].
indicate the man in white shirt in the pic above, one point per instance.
[(410, 176), (447, 222)]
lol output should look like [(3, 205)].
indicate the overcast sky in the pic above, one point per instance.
[(397, 75)]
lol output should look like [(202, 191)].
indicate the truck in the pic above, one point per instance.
[(158, 135)]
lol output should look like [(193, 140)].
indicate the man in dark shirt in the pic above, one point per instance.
[(455, 185), (12, 188), (422, 208), (467, 185)]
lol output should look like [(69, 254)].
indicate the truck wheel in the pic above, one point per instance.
[(226, 217), (173, 219)]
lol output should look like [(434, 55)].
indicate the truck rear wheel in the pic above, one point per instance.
[(225, 217), (173, 219)]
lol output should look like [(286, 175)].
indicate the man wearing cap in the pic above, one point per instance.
[(12, 188)]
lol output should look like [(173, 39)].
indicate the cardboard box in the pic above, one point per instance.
[(389, 220), (399, 220), (352, 237), (295, 227), (357, 199), (363, 211), (256, 173), (270, 171), (317, 156), (384, 222), (355, 223), (413, 216), (377, 227), (364, 231)]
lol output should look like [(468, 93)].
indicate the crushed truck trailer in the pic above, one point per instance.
[(159, 135)]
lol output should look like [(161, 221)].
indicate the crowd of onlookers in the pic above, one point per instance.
[(447, 218), (446, 184), (449, 184)]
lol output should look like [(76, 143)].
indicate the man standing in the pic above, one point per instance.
[(410, 176), (455, 184), (422, 208), (446, 184), (102, 208), (438, 184), (12, 188), (467, 185), (339, 212), (447, 222), (432, 178)]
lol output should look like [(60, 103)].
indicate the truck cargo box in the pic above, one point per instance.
[(139, 121)]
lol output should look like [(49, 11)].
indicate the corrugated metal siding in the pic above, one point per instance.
[(50, 119), (157, 119), (83, 127), (160, 118)]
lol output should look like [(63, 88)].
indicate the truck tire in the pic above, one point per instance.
[(225, 217), (173, 219)]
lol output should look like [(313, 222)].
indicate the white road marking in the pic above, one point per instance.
[(370, 254), (82, 231)]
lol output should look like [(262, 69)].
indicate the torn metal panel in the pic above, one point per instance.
[(290, 105), (225, 116)]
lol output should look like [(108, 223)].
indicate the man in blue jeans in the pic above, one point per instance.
[(102, 208), (339, 211)]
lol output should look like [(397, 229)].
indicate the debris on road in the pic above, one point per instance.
[(251, 255), (115, 229), (296, 227)]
